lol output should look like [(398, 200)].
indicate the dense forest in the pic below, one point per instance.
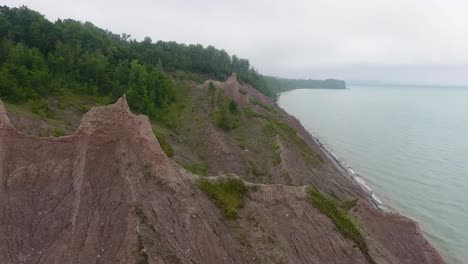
[(39, 58), (277, 85)]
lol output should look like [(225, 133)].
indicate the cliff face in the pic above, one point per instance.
[(109, 194)]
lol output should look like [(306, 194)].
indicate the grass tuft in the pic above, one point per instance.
[(196, 168), (255, 170), (249, 112), (41, 108), (228, 194), (58, 132), (165, 146), (276, 155), (255, 101), (348, 204)]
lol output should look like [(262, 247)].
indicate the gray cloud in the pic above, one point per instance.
[(399, 40)]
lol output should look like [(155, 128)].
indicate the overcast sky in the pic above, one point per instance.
[(407, 41)]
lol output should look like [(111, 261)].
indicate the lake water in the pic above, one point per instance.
[(410, 144)]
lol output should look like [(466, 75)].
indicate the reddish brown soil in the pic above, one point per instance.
[(108, 194)]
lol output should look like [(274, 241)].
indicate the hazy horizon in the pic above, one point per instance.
[(417, 42)]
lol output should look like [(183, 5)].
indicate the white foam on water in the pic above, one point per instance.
[(376, 199), (363, 184)]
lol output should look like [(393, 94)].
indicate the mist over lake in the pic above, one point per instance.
[(410, 144)]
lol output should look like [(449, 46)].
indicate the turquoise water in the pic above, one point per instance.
[(410, 144)]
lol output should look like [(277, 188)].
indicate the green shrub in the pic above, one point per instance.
[(58, 132), (41, 108), (212, 93), (249, 112), (232, 106), (197, 168), (254, 169), (337, 212), (211, 87), (171, 115), (225, 120), (196, 78), (228, 194), (165, 146), (276, 155), (255, 101), (348, 204), (83, 109), (274, 127), (288, 133), (225, 111)]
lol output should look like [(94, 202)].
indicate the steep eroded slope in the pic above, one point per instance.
[(109, 194)]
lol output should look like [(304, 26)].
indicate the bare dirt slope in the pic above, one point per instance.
[(109, 194)]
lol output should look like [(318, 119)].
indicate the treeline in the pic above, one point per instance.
[(277, 85), (40, 58)]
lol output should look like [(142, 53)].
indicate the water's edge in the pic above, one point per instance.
[(347, 171), (344, 168), (360, 180)]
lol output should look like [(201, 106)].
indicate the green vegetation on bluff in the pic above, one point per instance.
[(226, 115), (274, 127), (53, 115), (196, 168), (165, 146), (262, 105), (58, 132), (337, 211), (225, 111), (227, 193)]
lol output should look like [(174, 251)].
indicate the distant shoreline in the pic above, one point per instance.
[(384, 84)]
